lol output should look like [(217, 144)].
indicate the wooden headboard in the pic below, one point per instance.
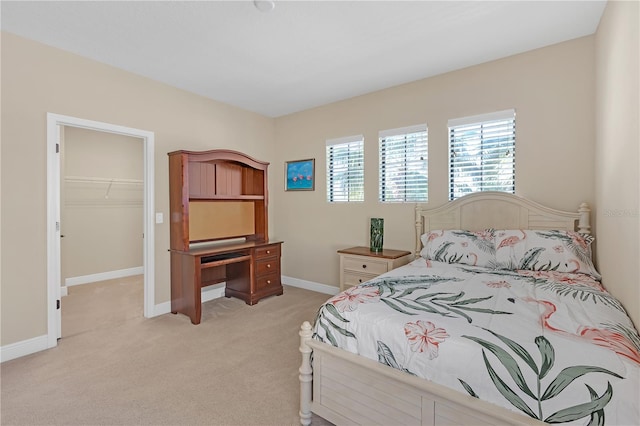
[(498, 210)]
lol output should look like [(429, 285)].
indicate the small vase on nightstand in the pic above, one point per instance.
[(377, 234)]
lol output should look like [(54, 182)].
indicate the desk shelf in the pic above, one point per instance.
[(216, 195), (225, 259), (228, 197)]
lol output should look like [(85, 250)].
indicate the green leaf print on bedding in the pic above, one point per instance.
[(594, 409)]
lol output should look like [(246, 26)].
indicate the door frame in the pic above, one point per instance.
[(54, 329)]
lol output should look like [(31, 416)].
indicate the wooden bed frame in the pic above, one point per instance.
[(348, 389)]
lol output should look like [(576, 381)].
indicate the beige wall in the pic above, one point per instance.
[(552, 90), (102, 202), (37, 79), (617, 152)]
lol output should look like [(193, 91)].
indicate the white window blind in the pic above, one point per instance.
[(482, 153), (345, 169), (403, 164)]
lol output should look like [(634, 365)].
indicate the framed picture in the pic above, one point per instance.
[(300, 175)]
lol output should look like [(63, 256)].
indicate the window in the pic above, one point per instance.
[(482, 153), (345, 169), (403, 165)]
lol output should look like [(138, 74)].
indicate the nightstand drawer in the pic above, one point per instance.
[(352, 278), (366, 265)]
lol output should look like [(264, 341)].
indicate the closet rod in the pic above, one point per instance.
[(87, 179)]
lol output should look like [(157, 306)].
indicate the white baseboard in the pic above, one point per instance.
[(161, 309), (310, 285), (212, 292), (23, 348), (102, 276), (207, 294)]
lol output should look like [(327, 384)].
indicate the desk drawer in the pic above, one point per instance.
[(364, 264), (268, 251), (268, 266), (267, 281)]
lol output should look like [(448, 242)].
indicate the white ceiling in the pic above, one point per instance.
[(302, 54)]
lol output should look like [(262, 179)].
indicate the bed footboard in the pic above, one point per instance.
[(345, 388)]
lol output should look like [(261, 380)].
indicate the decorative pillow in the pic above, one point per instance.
[(458, 246), (561, 251)]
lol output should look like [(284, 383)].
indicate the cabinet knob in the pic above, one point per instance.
[(268, 251), (268, 281), (364, 266), (268, 265), (360, 280)]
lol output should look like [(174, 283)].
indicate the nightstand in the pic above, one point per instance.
[(359, 264)]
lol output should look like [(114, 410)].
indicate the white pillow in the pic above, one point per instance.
[(538, 250), (459, 246)]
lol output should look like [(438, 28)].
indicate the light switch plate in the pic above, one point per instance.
[(159, 218)]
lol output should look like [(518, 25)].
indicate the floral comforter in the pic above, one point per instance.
[(554, 346)]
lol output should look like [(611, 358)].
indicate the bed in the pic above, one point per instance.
[(500, 319)]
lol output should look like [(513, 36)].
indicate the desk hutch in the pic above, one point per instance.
[(215, 197)]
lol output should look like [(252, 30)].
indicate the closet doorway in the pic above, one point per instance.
[(90, 184), (101, 229)]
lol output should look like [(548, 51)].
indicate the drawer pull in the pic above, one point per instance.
[(268, 281), (268, 265), (360, 280), (268, 251), (364, 266)]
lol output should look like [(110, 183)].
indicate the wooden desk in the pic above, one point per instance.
[(251, 271)]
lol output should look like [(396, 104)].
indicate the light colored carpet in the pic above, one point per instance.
[(115, 367)]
